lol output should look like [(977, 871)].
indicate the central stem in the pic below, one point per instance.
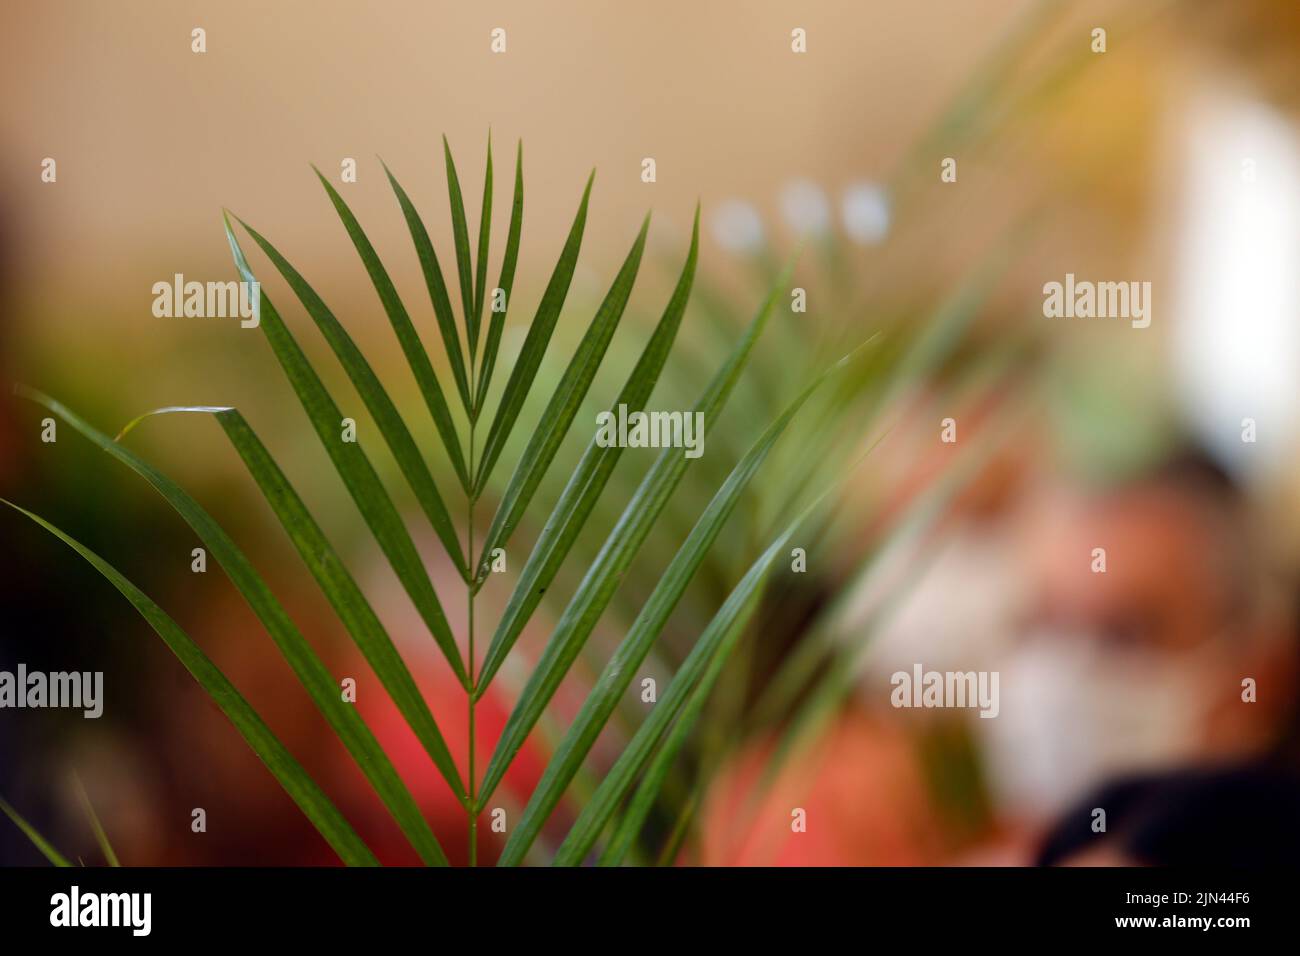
[(472, 809)]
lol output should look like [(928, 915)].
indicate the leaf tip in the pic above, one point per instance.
[(31, 394), (329, 188), (227, 216)]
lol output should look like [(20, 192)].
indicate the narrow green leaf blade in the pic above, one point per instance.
[(652, 780), (311, 672), (683, 699), (498, 316), (416, 357), (355, 469), (539, 336), (621, 668), (484, 242), (606, 572), (38, 841), (101, 837), (437, 287), (565, 401), (712, 649), (460, 235), (377, 401), (588, 479), (340, 588), (317, 807)]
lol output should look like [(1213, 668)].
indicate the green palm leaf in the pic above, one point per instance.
[(484, 243), (588, 479), (460, 235), (416, 357), (603, 577), (539, 336), (498, 320), (377, 401), (357, 472), (690, 523), (710, 652), (621, 669), (310, 671), (563, 406), (38, 841), (682, 702), (340, 588), (437, 287), (301, 788)]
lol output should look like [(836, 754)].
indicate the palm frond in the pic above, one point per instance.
[(708, 655), (339, 587), (460, 235), (416, 356), (620, 670), (602, 578), (306, 665), (563, 406), (317, 807), (637, 513), (496, 324), (377, 401), (539, 336), (437, 287), (588, 479)]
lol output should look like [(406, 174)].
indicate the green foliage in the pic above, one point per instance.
[(471, 370), (700, 550)]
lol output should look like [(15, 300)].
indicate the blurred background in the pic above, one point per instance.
[(1171, 155)]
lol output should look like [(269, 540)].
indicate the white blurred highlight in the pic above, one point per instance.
[(737, 226), (1236, 332), (806, 208), (865, 213)]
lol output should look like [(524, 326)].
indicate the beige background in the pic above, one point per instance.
[(152, 140)]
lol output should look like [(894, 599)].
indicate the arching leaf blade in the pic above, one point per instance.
[(340, 589), (484, 244), (632, 650), (356, 471), (616, 554), (416, 356), (437, 287), (317, 807), (377, 401), (696, 676), (712, 649), (534, 347), (45, 847), (588, 479), (497, 320), (564, 403), (297, 652), (101, 835), (460, 238)]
